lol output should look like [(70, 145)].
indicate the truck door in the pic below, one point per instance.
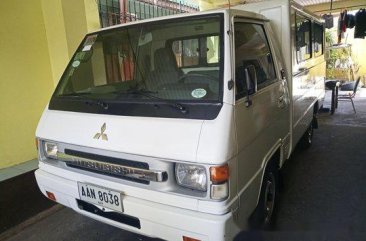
[(261, 109)]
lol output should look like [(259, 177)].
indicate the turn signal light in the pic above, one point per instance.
[(37, 143), (219, 174), (51, 196), (189, 239)]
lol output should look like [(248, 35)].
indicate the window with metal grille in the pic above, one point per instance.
[(112, 12)]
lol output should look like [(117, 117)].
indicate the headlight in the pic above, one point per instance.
[(50, 150), (191, 176)]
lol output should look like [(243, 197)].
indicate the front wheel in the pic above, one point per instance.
[(262, 217)]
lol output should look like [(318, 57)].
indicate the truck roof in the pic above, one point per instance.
[(180, 15)]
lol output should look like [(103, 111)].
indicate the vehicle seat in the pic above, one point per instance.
[(261, 75), (165, 71)]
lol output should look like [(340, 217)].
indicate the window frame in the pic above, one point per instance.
[(299, 14), (242, 19)]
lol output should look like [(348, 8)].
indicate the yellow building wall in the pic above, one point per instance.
[(25, 78), (36, 43), (212, 4), (92, 15), (359, 53)]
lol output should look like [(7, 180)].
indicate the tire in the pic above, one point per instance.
[(307, 138), (263, 216)]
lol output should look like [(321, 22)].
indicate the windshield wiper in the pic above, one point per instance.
[(88, 101), (150, 95), (74, 94), (99, 103)]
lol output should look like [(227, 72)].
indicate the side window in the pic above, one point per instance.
[(252, 50), (213, 49), (303, 38), (318, 30), (186, 52), (199, 51)]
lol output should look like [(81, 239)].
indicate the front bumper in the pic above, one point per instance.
[(156, 220)]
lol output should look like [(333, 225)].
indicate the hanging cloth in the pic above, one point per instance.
[(328, 18), (350, 21), (343, 21), (341, 25), (328, 21), (360, 24)]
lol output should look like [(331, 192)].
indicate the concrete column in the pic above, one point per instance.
[(66, 23), (212, 4)]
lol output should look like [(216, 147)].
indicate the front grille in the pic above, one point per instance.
[(118, 217), (113, 160), (106, 159)]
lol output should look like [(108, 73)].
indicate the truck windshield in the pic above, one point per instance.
[(176, 62)]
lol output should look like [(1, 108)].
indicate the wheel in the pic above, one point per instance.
[(262, 218), (307, 138)]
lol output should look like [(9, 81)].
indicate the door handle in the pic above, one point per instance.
[(283, 74), (303, 71), (281, 102)]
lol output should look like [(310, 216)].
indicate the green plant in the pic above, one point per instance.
[(338, 59), (329, 39)]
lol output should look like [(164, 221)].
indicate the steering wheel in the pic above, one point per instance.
[(187, 75)]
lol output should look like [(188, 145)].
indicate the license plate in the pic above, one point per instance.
[(100, 196)]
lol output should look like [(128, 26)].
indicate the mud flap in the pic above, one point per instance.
[(315, 122)]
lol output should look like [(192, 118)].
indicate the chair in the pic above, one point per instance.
[(350, 95)]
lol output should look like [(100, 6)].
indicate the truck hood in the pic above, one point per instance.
[(174, 139), (203, 141)]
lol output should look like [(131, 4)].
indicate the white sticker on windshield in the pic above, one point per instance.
[(76, 63), (90, 39), (199, 93), (87, 48)]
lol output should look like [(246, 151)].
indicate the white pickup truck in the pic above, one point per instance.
[(176, 127)]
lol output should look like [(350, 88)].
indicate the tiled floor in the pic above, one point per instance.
[(9, 172)]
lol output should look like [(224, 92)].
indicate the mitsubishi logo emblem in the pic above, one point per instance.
[(102, 134)]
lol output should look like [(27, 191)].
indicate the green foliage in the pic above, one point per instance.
[(332, 55), (329, 39)]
